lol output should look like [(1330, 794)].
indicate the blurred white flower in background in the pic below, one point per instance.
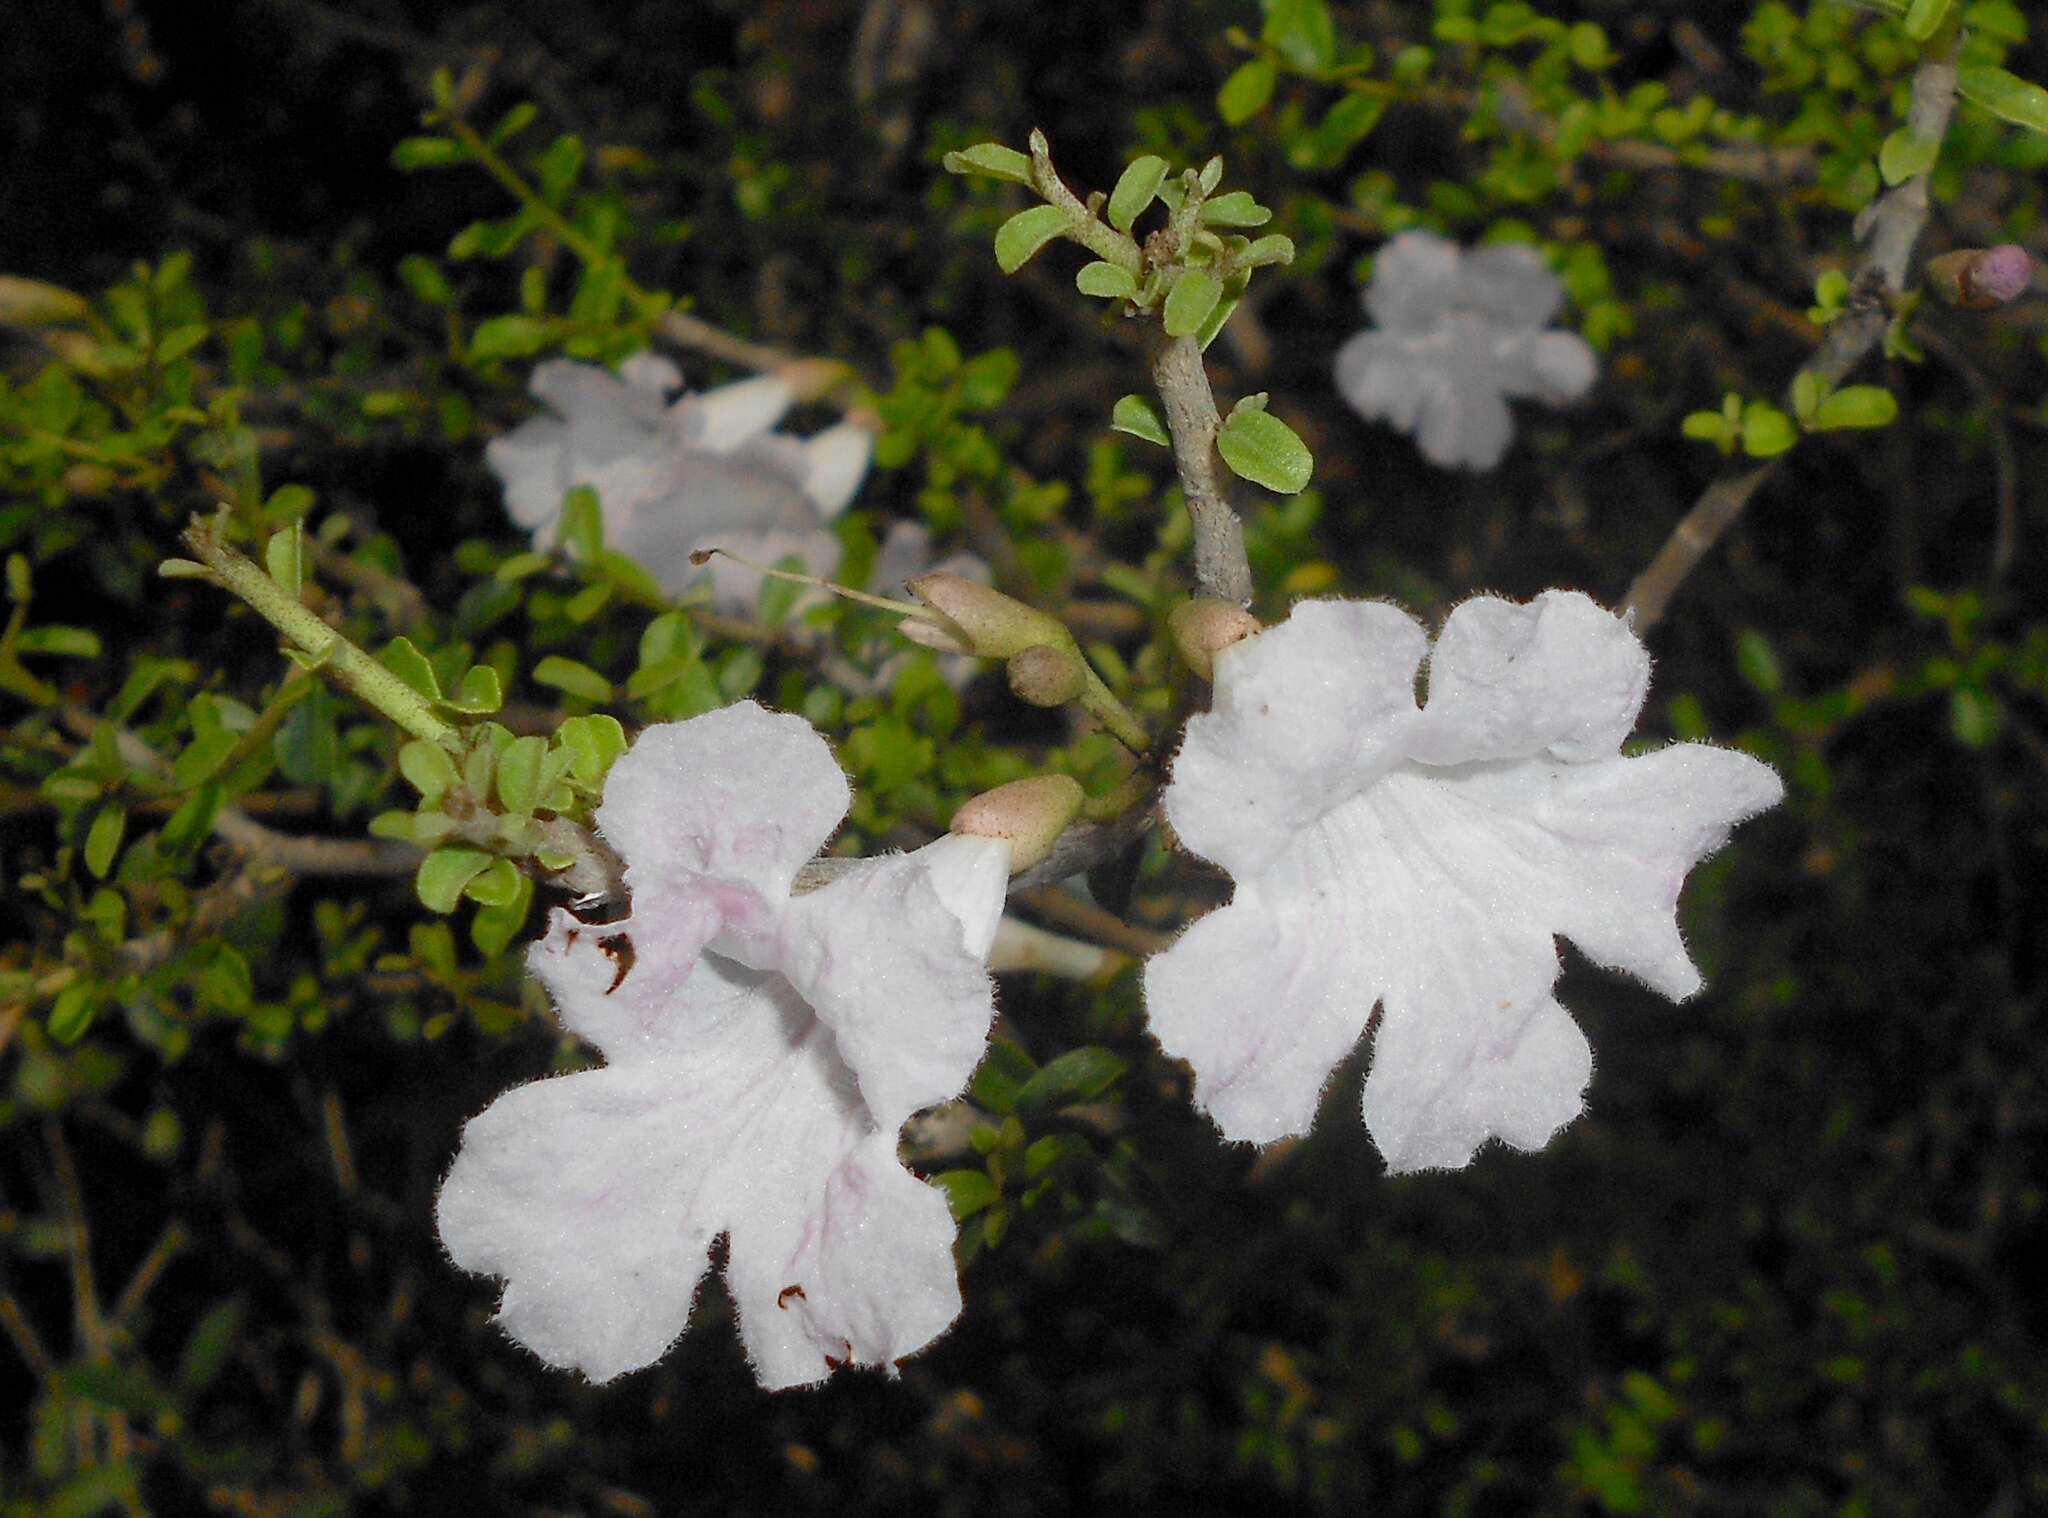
[(1424, 859), (706, 469), (1456, 334), (762, 1051)]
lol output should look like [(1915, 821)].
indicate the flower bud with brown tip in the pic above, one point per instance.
[(1029, 815), (978, 619), (1204, 627)]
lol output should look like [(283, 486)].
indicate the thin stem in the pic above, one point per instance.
[(559, 226), (1221, 568), (351, 668), (1137, 787), (1099, 238), (1101, 703), (1895, 224)]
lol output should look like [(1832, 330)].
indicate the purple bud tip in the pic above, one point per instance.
[(2002, 274)]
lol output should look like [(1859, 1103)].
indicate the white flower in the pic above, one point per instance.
[(762, 1051), (1423, 859), (704, 470), (1457, 333)]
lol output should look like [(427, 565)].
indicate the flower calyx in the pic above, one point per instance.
[(1204, 626), (1029, 815)]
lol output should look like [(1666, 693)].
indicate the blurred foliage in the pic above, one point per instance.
[(1780, 1267)]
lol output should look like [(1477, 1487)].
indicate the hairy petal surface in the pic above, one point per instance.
[(1434, 883), (762, 1053)]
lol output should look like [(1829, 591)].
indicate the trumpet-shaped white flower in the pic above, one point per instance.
[(762, 1051), (1423, 859), (1457, 334), (701, 471)]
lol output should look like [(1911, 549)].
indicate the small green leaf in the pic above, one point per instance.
[(1237, 209), (479, 694), (1019, 239), (560, 166), (1766, 431), (1189, 302), (56, 639), (1000, 1076), (596, 741), (425, 153), (967, 1191), (576, 679), (1856, 406), (992, 159), (72, 1012), (495, 885), (1806, 394), (1758, 662), (410, 665), (1075, 1076), (1110, 281), (1904, 155), (508, 337), (444, 873), (285, 557), (425, 279), (207, 1347), (1259, 447), (1974, 716), (1246, 91), (1923, 16), (493, 928), (581, 527), (2005, 95), (428, 766), (513, 122), (1137, 415), (1273, 248), (1302, 31), (1134, 190), (201, 758), (519, 788), (521, 566), (103, 841), (1233, 292), (307, 745)]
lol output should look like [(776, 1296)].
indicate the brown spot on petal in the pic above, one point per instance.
[(620, 948), (782, 1297)]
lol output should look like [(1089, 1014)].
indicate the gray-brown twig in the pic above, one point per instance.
[(1183, 384), (1894, 225)]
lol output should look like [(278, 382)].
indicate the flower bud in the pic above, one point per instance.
[(1980, 279), (31, 303), (986, 622), (1029, 815), (1204, 627), (1045, 675), (810, 378)]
